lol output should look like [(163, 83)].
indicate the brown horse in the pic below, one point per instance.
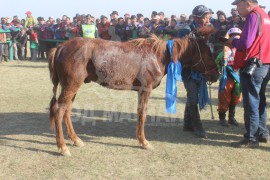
[(134, 65)]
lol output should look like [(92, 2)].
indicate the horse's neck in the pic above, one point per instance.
[(186, 52)]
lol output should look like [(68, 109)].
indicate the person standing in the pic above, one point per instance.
[(229, 94), (89, 29), (192, 120), (33, 43), (253, 59), (103, 28), (21, 40)]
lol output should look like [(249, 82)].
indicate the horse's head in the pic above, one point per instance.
[(196, 53), (204, 61)]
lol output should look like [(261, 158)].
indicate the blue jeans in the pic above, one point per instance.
[(254, 102), (191, 86)]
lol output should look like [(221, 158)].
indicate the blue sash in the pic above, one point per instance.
[(174, 74)]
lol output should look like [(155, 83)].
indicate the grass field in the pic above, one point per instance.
[(106, 121)]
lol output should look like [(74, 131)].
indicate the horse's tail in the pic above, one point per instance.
[(55, 81)]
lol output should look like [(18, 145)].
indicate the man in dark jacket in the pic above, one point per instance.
[(120, 29), (21, 39)]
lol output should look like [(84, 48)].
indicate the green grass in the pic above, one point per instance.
[(106, 121)]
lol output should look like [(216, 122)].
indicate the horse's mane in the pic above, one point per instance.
[(157, 46)]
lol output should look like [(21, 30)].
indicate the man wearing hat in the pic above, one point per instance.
[(88, 29), (15, 29), (30, 20), (192, 120), (114, 15), (3, 21), (233, 13), (103, 28), (253, 59)]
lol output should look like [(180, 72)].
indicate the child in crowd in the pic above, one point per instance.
[(229, 88), (30, 20), (33, 44)]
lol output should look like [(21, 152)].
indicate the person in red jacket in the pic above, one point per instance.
[(103, 28), (253, 58)]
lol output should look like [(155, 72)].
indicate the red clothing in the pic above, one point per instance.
[(33, 36), (260, 41), (228, 97), (103, 31)]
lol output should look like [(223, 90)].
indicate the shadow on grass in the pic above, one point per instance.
[(109, 124), (32, 67)]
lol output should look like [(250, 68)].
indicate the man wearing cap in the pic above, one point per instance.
[(15, 29), (157, 25), (183, 21), (88, 29), (114, 15), (21, 40), (253, 59), (161, 15), (132, 30), (192, 120), (103, 28), (233, 13), (120, 29), (51, 19)]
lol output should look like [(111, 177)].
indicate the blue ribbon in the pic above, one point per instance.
[(203, 92), (174, 74), (224, 77)]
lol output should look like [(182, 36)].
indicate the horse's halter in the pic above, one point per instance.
[(201, 61)]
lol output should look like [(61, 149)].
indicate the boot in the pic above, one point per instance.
[(196, 121), (222, 119), (187, 120), (231, 119)]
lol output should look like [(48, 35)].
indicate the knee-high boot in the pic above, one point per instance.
[(196, 121), (222, 119), (231, 118), (187, 120)]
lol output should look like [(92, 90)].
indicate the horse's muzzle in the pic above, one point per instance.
[(213, 75)]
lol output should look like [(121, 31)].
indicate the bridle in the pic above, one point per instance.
[(201, 61), (209, 83)]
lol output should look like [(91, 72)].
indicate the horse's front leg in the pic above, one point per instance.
[(143, 97)]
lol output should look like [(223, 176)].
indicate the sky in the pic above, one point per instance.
[(57, 8)]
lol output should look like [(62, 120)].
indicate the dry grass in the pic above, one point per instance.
[(106, 120)]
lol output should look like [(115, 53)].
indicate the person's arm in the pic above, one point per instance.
[(249, 33), (97, 33), (80, 31), (26, 22), (25, 40)]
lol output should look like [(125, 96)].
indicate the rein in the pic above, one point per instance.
[(206, 72), (201, 61)]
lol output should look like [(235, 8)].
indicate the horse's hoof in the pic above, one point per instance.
[(65, 152), (148, 147), (78, 143)]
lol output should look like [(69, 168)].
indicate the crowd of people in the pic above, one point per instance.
[(247, 51), (114, 28)]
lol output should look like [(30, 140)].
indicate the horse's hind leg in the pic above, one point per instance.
[(64, 102), (141, 113), (70, 130)]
